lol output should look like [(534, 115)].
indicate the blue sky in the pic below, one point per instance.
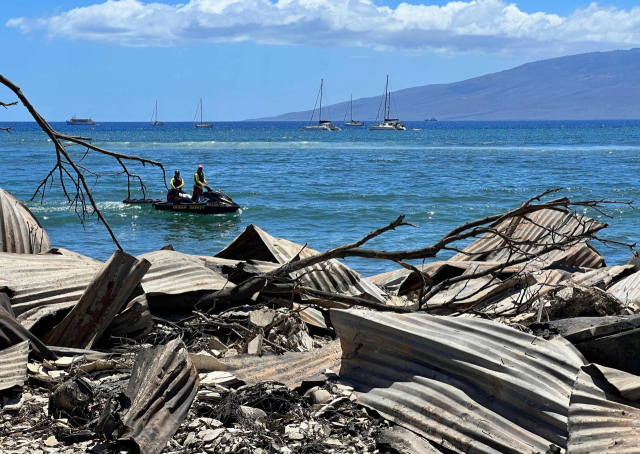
[(249, 59)]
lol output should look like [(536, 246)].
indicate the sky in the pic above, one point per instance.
[(112, 60)]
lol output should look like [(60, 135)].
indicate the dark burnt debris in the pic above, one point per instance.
[(523, 341)]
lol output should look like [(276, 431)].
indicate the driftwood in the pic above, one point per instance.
[(279, 280), (81, 190)]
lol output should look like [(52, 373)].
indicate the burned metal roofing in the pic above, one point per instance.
[(13, 365), (172, 273), (330, 276), (290, 368), (600, 421), (37, 280), (469, 385), (627, 290), (541, 227), (20, 231)]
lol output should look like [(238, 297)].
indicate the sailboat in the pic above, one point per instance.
[(352, 122), (323, 125), (387, 123), (202, 124), (154, 117)]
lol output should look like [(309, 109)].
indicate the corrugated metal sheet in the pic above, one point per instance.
[(469, 385), (599, 420), (290, 368), (20, 231), (13, 365), (627, 290), (172, 273), (628, 385), (331, 276), (39, 280), (100, 303), (603, 277), (162, 387), (536, 227)]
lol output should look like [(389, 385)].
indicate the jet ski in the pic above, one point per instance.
[(209, 202)]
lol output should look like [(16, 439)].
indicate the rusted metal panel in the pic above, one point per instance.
[(38, 280), (100, 302), (290, 368), (13, 365), (173, 273), (600, 421), (469, 385), (162, 387), (627, 290), (20, 231), (133, 322), (330, 276), (538, 227), (12, 332)]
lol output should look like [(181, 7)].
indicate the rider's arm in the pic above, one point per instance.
[(181, 184)]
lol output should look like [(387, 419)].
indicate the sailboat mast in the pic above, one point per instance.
[(156, 120), (200, 110), (351, 108), (386, 87), (320, 115)]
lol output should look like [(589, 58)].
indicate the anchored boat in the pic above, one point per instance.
[(387, 124), (154, 117), (202, 124), (81, 121), (352, 122), (323, 125)]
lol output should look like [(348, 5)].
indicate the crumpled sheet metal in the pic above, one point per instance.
[(603, 277), (13, 333), (469, 385), (13, 365), (290, 369), (162, 387), (39, 280), (600, 421), (627, 290), (535, 227), (100, 303), (331, 276), (173, 273), (20, 231)]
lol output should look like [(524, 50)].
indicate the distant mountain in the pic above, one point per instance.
[(593, 86)]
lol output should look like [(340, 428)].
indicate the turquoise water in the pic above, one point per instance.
[(329, 188)]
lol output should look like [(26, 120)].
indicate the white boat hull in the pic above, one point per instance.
[(353, 123), (323, 127), (204, 126), (387, 127)]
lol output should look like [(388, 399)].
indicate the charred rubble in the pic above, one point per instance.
[(522, 341)]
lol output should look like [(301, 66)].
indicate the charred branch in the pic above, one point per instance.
[(80, 196)]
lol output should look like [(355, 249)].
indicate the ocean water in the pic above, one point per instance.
[(330, 188)]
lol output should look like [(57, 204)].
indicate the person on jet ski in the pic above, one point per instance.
[(198, 182), (176, 185)]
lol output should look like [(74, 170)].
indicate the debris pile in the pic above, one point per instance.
[(524, 341)]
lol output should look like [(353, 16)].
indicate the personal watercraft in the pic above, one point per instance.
[(209, 202)]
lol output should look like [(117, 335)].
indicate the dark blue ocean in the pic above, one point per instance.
[(329, 188)]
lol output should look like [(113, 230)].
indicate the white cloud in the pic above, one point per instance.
[(490, 26)]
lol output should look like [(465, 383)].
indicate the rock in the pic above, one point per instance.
[(212, 434), (189, 440), (321, 396), (306, 340), (296, 436), (217, 344), (51, 441), (569, 302), (254, 415), (206, 362), (64, 362), (255, 346), (206, 422), (262, 318)]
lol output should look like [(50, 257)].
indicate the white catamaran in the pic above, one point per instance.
[(352, 122), (154, 117), (323, 125), (387, 124), (202, 124)]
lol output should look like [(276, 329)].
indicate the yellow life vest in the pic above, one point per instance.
[(196, 182)]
